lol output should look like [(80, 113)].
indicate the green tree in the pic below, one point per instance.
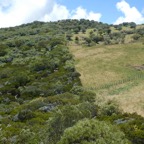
[(132, 25)]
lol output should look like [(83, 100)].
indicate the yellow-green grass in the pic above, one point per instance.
[(113, 72), (140, 26), (129, 96), (128, 38)]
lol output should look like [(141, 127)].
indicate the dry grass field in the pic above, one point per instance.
[(114, 72)]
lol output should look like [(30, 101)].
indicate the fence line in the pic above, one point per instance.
[(129, 79)]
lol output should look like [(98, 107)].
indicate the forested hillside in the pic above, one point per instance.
[(43, 99)]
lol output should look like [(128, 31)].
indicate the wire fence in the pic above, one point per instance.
[(112, 84)]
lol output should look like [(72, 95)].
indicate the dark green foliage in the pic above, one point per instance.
[(41, 66), (118, 27), (85, 95), (20, 79), (88, 41), (83, 30), (76, 39), (97, 39), (140, 31), (93, 131), (67, 117), (25, 115), (134, 129), (40, 91), (34, 62), (136, 36), (56, 41), (3, 50), (63, 99), (130, 124), (69, 36), (110, 108), (132, 25)]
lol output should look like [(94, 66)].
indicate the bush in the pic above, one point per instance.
[(130, 124), (21, 79), (67, 117), (85, 95), (25, 115), (93, 131), (136, 36), (28, 92), (109, 108), (27, 136), (87, 41), (69, 65), (3, 51), (76, 39), (56, 41)]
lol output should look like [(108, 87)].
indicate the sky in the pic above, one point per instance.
[(17, 12)]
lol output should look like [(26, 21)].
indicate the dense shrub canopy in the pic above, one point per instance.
[(41, 97), (93, 132)]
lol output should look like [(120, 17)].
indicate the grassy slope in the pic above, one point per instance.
[(111, 71)]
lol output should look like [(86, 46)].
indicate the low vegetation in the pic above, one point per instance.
[(49, 96)]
